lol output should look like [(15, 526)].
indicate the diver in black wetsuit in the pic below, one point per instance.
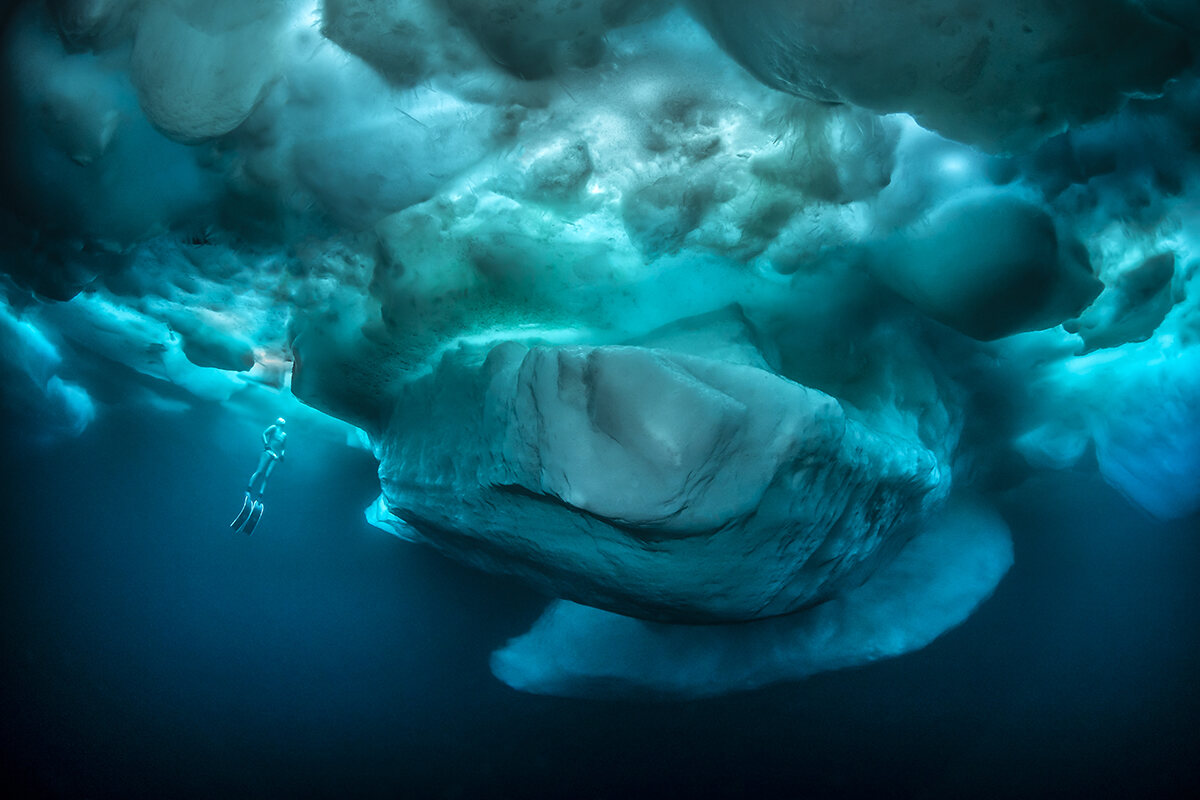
[(274, 438)]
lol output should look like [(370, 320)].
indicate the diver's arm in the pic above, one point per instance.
[(267, 437)]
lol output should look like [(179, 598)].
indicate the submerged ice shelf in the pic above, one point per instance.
[(720, 328), (935, 582)]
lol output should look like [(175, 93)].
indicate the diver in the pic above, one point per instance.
[(273, 439)]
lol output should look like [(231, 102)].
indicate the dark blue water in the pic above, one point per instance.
[(150, 652)]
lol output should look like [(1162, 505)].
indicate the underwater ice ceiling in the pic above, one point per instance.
[(717, 322)]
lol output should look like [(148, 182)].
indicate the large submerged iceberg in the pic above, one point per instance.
[(717, 323), (656, 484)]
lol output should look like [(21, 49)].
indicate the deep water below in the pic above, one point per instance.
[(148, 651)]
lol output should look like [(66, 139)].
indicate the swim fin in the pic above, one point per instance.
[(244, 514), (255, 516)]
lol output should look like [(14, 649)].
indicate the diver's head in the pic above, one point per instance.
[(281, 422)]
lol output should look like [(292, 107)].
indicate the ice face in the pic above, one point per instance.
[(34, 394), (686, 312), (992, 74), (649, 482)]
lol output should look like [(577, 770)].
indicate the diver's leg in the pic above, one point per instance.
[(262, 487), (265, 462)]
